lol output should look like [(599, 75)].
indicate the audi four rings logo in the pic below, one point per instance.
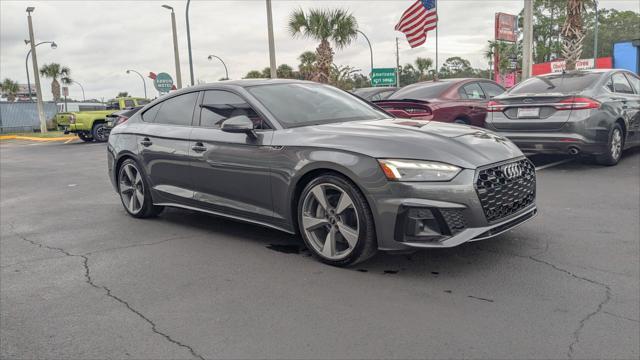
[(512, 171)]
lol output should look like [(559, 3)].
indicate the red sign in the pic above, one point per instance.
[(582, 64), (506, 27)]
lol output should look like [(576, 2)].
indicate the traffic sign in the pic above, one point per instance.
[(163, 82), (383, 77)]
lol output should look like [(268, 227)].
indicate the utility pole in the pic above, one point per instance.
[(176, 55), (36, 73), (272, 46), (527, 43), (595, 34), (397, 64), (189, 44)]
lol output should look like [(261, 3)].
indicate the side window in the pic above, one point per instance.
[(472, 91), (150, 114), (620, 84), (177, 110), (635, 82), (491, 89), (129, 103), (217, 106)]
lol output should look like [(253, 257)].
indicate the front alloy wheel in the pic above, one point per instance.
[(335, 221)]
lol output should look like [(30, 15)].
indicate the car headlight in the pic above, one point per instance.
[(417, 170)]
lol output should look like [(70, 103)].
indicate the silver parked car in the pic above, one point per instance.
[(591, 112), (308, 158)]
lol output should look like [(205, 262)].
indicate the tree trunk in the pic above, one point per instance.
[(55, 90), (573, 33), (324, 59)]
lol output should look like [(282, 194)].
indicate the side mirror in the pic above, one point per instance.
[(238, 124)]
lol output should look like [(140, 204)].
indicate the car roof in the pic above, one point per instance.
[(248, 83)]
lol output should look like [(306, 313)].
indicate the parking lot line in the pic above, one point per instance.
[(553, 164)]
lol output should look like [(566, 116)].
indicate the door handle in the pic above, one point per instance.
[(199, 147), (146, 142)]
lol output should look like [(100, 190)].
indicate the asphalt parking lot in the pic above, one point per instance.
[(81, 279)]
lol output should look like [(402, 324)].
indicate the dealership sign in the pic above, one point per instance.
[(506, 27), (582, 64), (383, 77)]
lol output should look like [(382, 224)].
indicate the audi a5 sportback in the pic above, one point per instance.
[(462, 101), (309, 158), (591, 112)]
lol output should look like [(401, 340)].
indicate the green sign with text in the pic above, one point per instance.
[(163, 82), (383, 77)]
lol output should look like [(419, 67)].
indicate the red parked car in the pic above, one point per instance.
[(462, 101)]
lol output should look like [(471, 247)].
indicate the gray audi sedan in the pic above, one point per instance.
[(310, 159), (588, 112)]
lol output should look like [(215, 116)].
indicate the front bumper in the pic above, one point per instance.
[(455, 208)]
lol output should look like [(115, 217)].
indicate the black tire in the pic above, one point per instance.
[(148, 209), (85, 137), (99, 132), (366, 245), (614, 147), (461, 121)]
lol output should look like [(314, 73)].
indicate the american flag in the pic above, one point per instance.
[(417, 20)]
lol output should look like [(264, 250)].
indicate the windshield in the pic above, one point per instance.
[(301, 104), (567, 83), (422, 91)]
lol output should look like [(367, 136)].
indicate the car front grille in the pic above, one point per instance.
[(506, 189)]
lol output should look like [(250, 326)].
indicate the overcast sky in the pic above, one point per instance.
[(99, 40)]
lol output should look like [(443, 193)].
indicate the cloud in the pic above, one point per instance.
[(99, 40)]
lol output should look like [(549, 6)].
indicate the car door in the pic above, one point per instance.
[(634, 108), (476, 103), (231, 171), (164, 147), (624, 97)]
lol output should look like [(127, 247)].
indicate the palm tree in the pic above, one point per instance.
[(423, 65), (10, 89), (306, 67), (337, 25), (54, 71), (573, 33)]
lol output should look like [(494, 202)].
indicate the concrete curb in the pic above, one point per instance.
[(31, 138)]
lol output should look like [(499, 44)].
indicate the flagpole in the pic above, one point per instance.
[(437, 26)]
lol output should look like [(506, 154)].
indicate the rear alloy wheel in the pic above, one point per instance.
[(134, 191), (100, 132), (614, 147), (335, 221), (85, 137)]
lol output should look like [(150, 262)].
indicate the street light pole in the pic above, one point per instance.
[(34, 58), (144, 83), (189, 43), (26, 62), (272, 46), (81, 87), (175, 46), (370, 49), (595, 34), (223, 64), (527, 41)]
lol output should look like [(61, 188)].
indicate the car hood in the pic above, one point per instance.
[(461, 145)]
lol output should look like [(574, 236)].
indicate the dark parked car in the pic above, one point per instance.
[(308, 158), (375, 93), (594, 112), (120, 117), (462, 101)]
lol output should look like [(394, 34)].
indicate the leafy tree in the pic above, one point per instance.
[(122, 94), (456, 67), (506, 51), (285, 71), (573, 33), (253, 74), (306, 66), (10, 89), (323, 25), (613, 26), (54, 71)]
